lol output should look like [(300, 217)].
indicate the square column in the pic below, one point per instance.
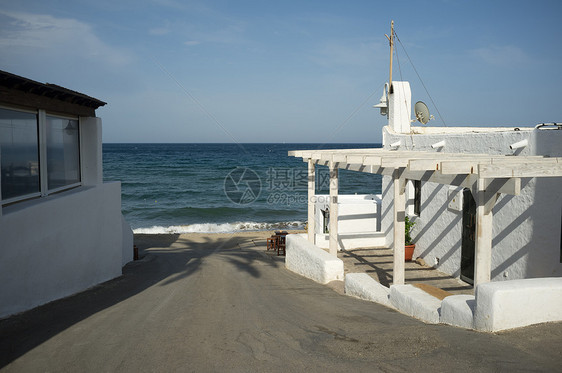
[(400, 107), (311, 201), (333, 208), (91, 157), (485, 201), (399, 226)]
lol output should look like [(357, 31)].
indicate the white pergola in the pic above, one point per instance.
[(487, 176)]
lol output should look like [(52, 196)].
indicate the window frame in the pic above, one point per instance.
[(41, 117), (68, 186)]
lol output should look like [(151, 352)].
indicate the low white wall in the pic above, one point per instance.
[(56, 246), (349, 241), (458, 310), (357, 213), (517, 303), (361, 285), (307, 260), (415, 302)]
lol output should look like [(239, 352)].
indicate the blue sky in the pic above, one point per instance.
[(288, 71)]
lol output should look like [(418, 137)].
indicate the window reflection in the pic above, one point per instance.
[(19, 153), (63, 152)]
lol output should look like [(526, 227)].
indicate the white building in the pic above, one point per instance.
[(61, 228), (487, 207), (526, 236)]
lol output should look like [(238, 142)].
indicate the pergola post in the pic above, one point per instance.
[(333, 208), (399, 225), (485, 201), (311, 202)]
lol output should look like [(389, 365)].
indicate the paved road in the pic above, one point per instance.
[(216, 303)]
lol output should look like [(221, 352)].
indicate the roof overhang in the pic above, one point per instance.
[(20, 91)]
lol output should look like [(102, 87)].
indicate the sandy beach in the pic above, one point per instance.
[(154, 241)]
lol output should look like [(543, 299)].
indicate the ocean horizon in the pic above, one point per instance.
[(220, 187)]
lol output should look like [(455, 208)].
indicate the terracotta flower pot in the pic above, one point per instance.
[(409, 252)]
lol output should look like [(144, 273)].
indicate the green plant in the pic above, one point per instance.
[(409, 225)]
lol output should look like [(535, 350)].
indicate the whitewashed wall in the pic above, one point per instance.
[(356, 212), (58, 245), (526, 231)]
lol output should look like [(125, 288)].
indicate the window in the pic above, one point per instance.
[(63, 152), (39, 154), (19, 154)]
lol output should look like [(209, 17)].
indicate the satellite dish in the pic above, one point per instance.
[(422, 112)]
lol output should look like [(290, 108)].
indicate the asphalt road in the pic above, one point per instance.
[(217, 303)]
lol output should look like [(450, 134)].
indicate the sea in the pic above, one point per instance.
[(212, 188)]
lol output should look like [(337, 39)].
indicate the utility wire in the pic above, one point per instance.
[(419, 77), (401, 78)]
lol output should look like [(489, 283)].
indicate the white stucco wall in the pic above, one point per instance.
[(357, 213), (56, 246), (526, 230), (513, 304), (308, 260), (400, 107)]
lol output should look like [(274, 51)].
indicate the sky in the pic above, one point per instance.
[(175, 71)]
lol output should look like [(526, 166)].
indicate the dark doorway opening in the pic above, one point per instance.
[(468, 236)]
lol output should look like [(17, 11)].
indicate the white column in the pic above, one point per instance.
[(400, 107), (333, 209), (399, 226), (483, 247), (91, 150), (311, 202)]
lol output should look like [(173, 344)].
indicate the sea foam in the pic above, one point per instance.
[(219, 228)]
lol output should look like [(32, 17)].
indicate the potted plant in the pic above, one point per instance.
[(409, 245)]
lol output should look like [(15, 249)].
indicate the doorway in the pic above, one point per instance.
[(468, 236)]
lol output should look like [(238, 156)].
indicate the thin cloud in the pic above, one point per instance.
[(27, 33), (502, 55)]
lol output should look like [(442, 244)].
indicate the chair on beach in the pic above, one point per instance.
[(271, 243), (277, 242), (281, 240)]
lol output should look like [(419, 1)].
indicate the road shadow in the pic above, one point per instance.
[(162, 261)]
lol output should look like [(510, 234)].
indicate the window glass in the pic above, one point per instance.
[(63, 152), (19, 153)]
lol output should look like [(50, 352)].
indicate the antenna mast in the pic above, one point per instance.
[(391, 41)]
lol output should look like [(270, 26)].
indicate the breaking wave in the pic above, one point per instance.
[(220, 228)]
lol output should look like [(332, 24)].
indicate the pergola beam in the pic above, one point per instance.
[(510, 185), (487, 176), (485, 165), (547, 168)]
